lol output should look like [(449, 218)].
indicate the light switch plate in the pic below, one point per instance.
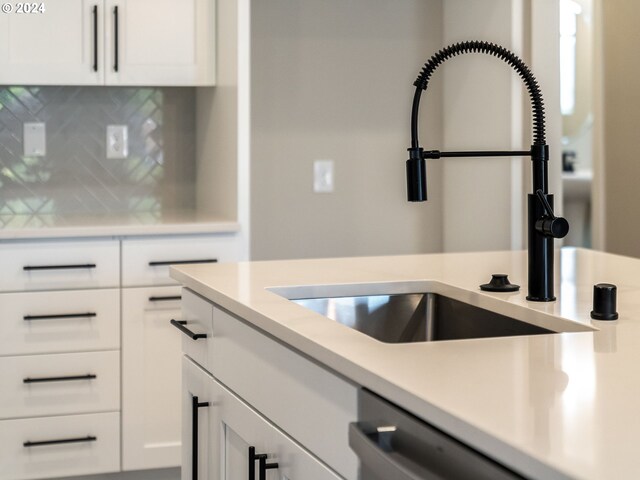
[(323, 176), (117, 141), (34, 140)]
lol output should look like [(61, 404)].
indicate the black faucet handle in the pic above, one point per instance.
[(556, 227), (550, 225)]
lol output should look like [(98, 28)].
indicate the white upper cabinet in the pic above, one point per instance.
[(160, 42), (110, 42), (60, 46)]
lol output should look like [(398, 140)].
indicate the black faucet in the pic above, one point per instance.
[(543, 225)]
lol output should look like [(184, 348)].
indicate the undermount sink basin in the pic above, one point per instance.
[(417, 317)]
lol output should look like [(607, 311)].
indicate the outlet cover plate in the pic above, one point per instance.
[(117, 141), (34, 140)]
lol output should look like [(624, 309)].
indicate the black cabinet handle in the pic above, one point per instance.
[(180, 325), (181, 262), (195, 406), (29, 268), (88, 438), (95, 38), (89, 376), (263, 466), (115, 39), (167, 298), (59, 316)]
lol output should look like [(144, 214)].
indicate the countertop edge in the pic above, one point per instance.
[(94, 231)]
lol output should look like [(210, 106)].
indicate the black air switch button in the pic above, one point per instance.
[(499, 283), (604, 302)]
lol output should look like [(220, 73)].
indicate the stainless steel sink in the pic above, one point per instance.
[(417, 317)]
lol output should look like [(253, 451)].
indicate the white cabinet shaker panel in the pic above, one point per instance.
[(160, 42), (242, 428), (60, 43), (151, 378)]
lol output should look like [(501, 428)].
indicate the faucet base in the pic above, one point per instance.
[(537, 299)]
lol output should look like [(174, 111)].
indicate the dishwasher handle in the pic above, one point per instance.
[(374, 449)]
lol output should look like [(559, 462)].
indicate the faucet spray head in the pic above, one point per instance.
[(416, 176)]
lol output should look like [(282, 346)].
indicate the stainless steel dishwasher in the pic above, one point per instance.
[(394, 445)]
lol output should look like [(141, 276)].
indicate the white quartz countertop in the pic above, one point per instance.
[(25, 227), (549, 406)]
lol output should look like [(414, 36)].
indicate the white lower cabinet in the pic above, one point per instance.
[(233, 441), (151, 378), (90, 364)]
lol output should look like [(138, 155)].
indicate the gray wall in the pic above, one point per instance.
[(620, 124), (332, 79)]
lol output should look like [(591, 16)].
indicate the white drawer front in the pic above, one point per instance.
[(146, 261), (30, 388), (61, 264), (59, 321), (198, 315), (319, 404), (81, 457)]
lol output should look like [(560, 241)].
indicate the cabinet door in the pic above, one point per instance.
[(60, 46), (200, 442), (241, 428), (160, 42), (150, 378)]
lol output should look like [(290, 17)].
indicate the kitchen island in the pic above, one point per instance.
[(560, 405)]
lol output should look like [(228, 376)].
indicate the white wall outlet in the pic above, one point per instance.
[(117, 141), (323, 181), (34, 139)]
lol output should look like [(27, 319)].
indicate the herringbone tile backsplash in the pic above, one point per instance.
[(75, 176)]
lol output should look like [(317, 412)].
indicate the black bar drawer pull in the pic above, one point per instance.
[(95, 38), (180, 325), (88, 438), (182, 262), (28, 318), (168, 298), (263, 466), (195, 405), (116, 41), (59, 267), (71, 378)]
